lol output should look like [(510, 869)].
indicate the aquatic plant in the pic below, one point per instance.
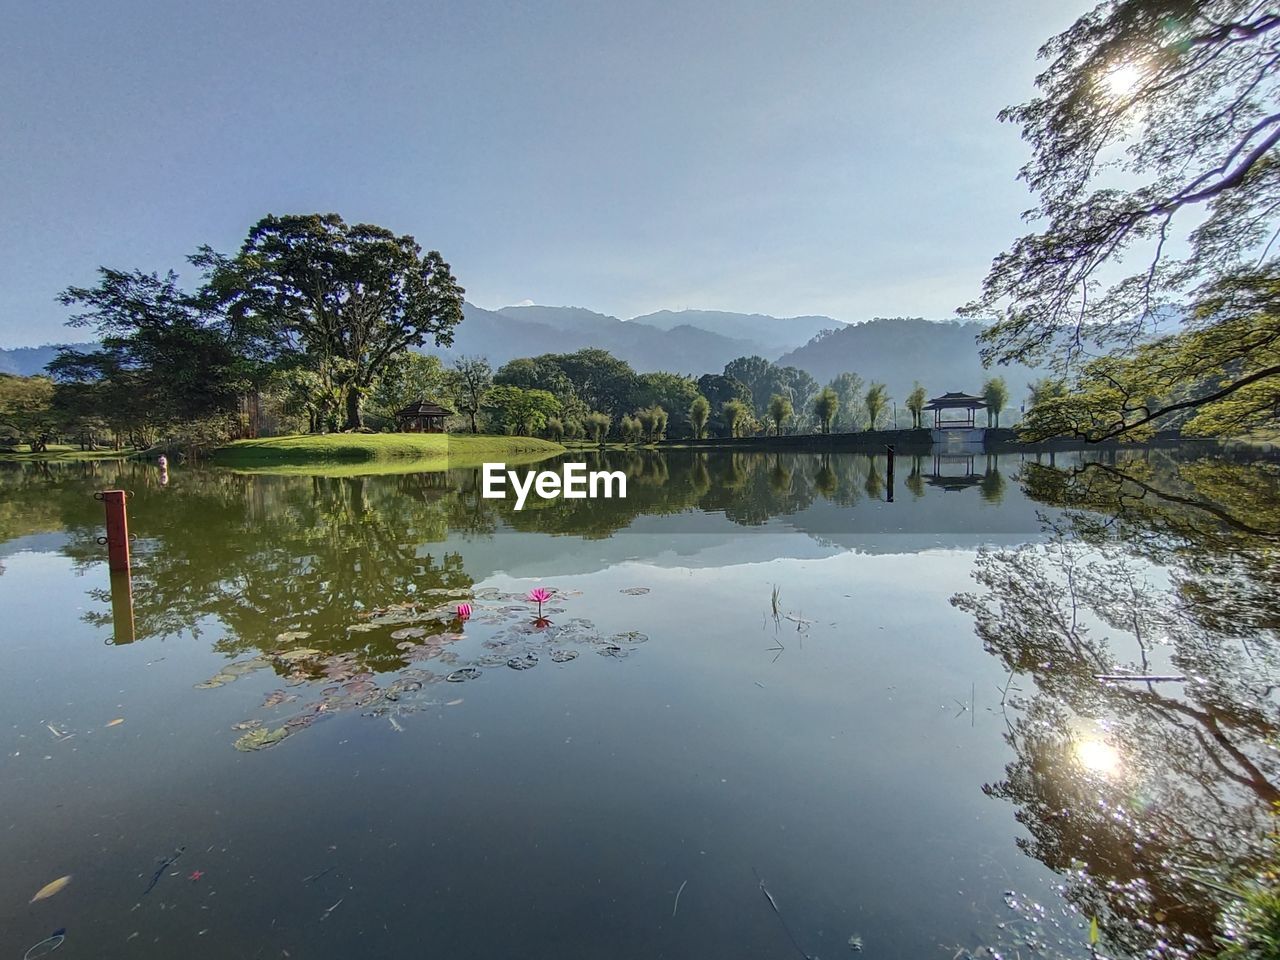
[(539, 595)]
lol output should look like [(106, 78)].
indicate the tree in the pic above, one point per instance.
[(653, 421), (554, 429), (522, 412), (996, 394), (758, 375), (597, 424), (630, 429), (848, 388), (671, 391), (353, 295), (797, 385), (915, 403), (719, 389), (780, 411), (164, 355), (826, 407), (26, 411), (600, 380), (735, 415), (699, 413), (406, 378), (468, 382), (876, 402), (1154, 141)]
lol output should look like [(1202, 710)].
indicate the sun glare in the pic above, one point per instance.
[(1121, 80), (1098, 756)]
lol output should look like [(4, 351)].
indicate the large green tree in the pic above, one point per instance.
[(26, 410), (1154, 159), (164, 355), (519, 411), (354, 296)]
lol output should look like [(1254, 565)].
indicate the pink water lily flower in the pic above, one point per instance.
[(464, 612), (539, 595)]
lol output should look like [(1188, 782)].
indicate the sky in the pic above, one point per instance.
[(789, 158)]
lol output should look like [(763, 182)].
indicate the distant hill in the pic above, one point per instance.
[(942, 355), (502, 335), (28, 361), (774, 335)]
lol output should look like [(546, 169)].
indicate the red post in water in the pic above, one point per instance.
[(117, 530)]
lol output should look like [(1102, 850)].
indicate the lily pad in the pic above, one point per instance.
[(260, 739), (297, 654), (409, 633), (527, 662), (292, 636), (563, 656), (466, 673)]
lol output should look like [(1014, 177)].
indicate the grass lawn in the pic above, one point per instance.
[(61, 452), (353, 454)]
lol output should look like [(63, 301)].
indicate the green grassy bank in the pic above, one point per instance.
[(61, 452), (351, 454)]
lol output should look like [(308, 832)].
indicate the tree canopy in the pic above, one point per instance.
[(1153, 142), (350, 297)]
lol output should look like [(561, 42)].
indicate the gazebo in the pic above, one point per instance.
[(422, 417), (955, 401)]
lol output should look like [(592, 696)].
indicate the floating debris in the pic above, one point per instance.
[(47, 945), (50, 888), (116, 722), (165, 864), (634, 591)]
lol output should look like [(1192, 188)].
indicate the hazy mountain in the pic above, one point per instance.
[(942, 355), (775, 335), (502, 335), (28, 361)]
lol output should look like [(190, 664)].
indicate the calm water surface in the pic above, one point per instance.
[(906, 743)]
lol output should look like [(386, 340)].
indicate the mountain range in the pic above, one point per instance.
[(942, 355)]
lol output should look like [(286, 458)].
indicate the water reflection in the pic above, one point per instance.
[(1149, 796), (1147, 565)]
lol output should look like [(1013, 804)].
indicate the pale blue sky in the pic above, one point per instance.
[(788, 158)]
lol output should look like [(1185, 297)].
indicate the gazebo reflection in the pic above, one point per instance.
[(953, 472)]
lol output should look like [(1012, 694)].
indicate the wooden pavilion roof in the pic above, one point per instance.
[(949, 401), (422, 408)]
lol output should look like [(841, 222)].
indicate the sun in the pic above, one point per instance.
[(1121, 80)]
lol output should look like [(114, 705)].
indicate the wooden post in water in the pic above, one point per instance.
[(122, 607), (117, 529), (889, 454)]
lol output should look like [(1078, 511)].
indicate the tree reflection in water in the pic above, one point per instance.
[(1150, 798)]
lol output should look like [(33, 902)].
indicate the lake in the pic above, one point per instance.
[(774, 707)]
